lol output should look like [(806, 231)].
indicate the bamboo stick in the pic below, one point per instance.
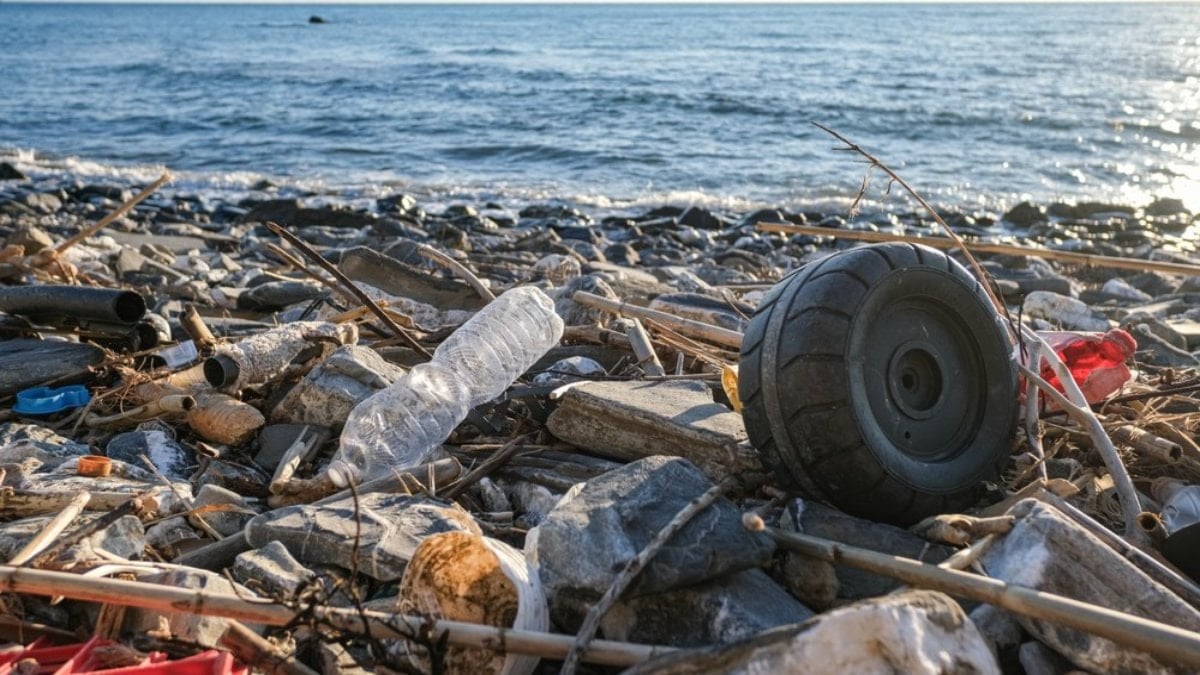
[(1152, 637), (643, 349), (721, 336), (379, 625), (1086, 259), (52, 530), (1148, 444)]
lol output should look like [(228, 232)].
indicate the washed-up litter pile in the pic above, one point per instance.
[(327, 439)]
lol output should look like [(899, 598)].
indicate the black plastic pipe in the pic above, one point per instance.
[(77, 302)]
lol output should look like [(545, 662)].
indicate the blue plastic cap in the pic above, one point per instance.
[(47, 400)]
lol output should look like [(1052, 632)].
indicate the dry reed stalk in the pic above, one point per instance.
[(1155, 638), (1084, 259), (350, 286), (379, 625), (629, 572), (690, 327)]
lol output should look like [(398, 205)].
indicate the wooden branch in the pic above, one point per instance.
[(52, 530), (494, 461), (591, 622), (1146, 443), (1085, 259), (1155, 638), (262, 656), (104, 222), (378, 625), (349, 286), (32, 502), (721, 336), (193, 324), (644, 349)]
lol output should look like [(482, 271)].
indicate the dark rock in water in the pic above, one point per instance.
[(671, 212), (1086, 209), (169, 457), (110, 192), (1025, 214), (289, 212), (29, 363), (554, 211), (275, 295), (622, 254), (316, 19), (10, 172), (765, 216), (701, 218), (1166, 206)]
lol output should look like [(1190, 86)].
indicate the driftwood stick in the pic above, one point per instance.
[(52, 529), (1146, 443), (107, 220), (1159, 639), (1085, 259), (250, 648), (639, 340), (632, 568), (350, 286), (68, 540), (33, 502), (458, 269), (375, 624), (1033, 427), (721, 336)]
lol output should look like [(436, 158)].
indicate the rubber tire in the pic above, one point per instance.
[(827, 406)]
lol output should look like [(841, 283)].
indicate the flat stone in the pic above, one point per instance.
[(722, 611), (389, 529), (203, 630), (1064, 311), (124, 538), (271, 571), (226, 522), (1154, 350), (397, 278), (26, 363), (1189, 329), (916, 632), (820, 584), (172, 242), (275, 295), (600, 525), (168, 456), (630, 420), (1048, 552), (330, 391), (20, 441)]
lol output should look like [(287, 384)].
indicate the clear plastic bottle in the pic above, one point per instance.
[(398, 427)]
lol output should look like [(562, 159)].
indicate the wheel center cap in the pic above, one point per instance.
[(915, 381)]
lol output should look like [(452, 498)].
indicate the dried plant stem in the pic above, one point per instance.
[(628, 573), (494, 461), (375, 624), (52, 530), (1085, 259), (104, 222), (639, 341), (351, 287), (1153, 637), (721, 336), (1033, 427), (458, 269)]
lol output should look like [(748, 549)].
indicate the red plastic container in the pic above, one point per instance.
[(88, 657), (1096, 360)]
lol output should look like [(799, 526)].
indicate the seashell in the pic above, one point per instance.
[(462, 576), (224, 419)]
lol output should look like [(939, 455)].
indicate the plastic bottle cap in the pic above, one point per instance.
[(95, 466)]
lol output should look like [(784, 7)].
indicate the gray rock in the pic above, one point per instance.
[(1120, 289), (389, 529), (171, 458), (275, 295), (1048, 552), (600, 525), (631, 420), (1038, 659), (570, 369), (725, 610), (173, 536), (28, 363), (275, 439), (124, 538), (22, 441), (203, 630), (398, 278), (330, 391), (228, 521), (1064, 311), (10, 172), (696, 216), (575, 314), (1166, 206), (1025, 214), (913, 632), (710, 310), (271, 571), (1189, 330), (1155, 351), (820, 584)]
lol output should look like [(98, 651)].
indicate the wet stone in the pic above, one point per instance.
[(271, 571), (389, 528), (601, 524)]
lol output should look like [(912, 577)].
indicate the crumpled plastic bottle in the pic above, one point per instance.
[(398, 427), (1096, 360)]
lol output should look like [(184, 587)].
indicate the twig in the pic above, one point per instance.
[(458, 269), (1069, 257), (104, 222), (495, 460), (52, 529), (250, 648), (130, 507), (1153, 637), (350, 286), (186, 501), (1033, 427), (721, 336), (376, 624), (644, 349), (632, 568)]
